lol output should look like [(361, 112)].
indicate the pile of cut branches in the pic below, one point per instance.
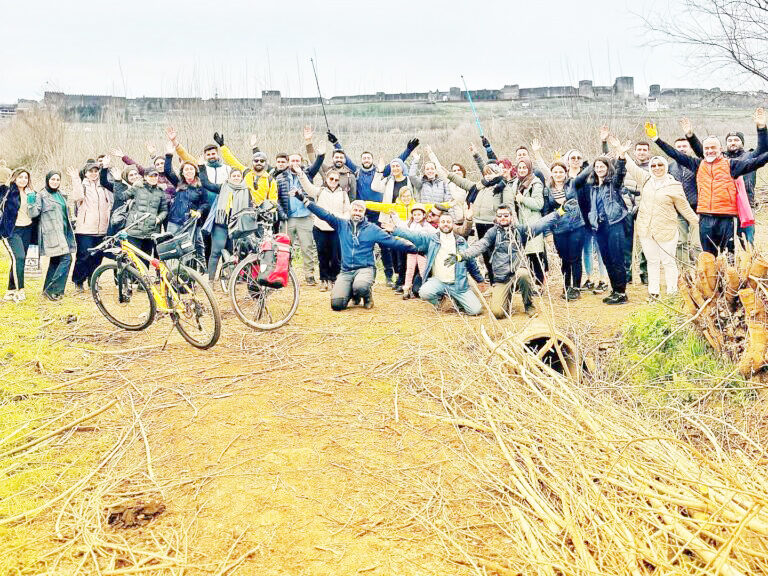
[(727, 301)]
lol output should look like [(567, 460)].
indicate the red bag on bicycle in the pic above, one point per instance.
[(274, 261)]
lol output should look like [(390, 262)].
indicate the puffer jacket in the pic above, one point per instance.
[(504, 244), (186, 198), (555, 222), (55, 234), (528, 210), (358, 239), (93, 207), (484, 196), (435, 191), (146, 200), (335, 201), (609, 192), (429, 243)]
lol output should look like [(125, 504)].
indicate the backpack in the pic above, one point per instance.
[(274, 261)]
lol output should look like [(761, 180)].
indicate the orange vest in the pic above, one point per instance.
[(717, 188)]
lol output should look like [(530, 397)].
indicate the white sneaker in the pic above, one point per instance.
[(10, 296), (20, 295)]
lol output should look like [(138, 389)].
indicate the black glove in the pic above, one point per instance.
[(485, 142), (218, 138), (331, 137), (412, 144), (255, 149), (300, 195)]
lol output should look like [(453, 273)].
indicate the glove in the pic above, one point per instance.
[(485, 142), (561, 211), (412, 144), (331, 137), (194, 214), (159, 220), (451, 259), (651, 131), (31, 197), (300, 195), (218, 138)]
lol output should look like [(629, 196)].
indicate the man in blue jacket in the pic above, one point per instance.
[(446, 269), (357, 238)]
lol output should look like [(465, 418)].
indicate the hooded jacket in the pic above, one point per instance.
[(149, 200), (262, 188), (484, 195), (357, 239), (347, 179), (93, 207), (504, 245), (55, 235), (435, 191), (334, 201), (528, 209)]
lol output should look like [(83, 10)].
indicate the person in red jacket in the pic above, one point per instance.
[(716, 182)]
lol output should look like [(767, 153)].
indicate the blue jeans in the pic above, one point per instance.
[(56, 276), (433, 289), (219, 239), (590, 247)]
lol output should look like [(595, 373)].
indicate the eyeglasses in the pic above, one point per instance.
[(576, 157), (504, 215)]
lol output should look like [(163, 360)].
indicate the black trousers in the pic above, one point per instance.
[(328, 253), (611, 238), (481, 230), (716, 233), (569, 246), (539, 265), (86, 263)]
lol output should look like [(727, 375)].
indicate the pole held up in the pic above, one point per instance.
[(472, 104), (322, 102)]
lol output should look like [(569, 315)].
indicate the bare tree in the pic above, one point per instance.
[(719, 32)]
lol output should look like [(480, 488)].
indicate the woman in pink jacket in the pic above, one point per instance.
[(93, 205)]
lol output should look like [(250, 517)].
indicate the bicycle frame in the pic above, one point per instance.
[(164, 303)]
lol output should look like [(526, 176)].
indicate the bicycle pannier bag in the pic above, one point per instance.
[(274, 261)]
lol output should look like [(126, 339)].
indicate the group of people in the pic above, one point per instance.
[(429, 225)]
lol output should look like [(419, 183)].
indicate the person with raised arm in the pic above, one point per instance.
[(258, 179), (661, 199), (687, 179), (599, 189), (716, 182), (147, 211)]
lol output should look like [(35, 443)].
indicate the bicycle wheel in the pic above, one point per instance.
[(260, 307), (200, 321), (122, 295)]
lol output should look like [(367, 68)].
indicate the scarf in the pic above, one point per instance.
[(666, 176), (214, 164), (225, 199), (524, 183)]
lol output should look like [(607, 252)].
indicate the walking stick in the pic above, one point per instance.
[(472, 104), (322, 103)]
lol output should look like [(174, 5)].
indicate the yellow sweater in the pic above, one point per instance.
[(403, 211)]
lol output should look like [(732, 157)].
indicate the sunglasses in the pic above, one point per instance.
[(259, 161), (657, 165), (333, 179), (576, 157), (504, 215)]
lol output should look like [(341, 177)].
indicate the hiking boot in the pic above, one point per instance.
[(617, 298), (399, 290), (10, 296), (311, 281), (20, 296), (390, 283), (368, 302), (611, 295), (588, 285), (600, 288)]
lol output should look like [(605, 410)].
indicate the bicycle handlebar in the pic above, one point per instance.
[(110, 239)]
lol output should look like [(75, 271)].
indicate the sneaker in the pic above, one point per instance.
[(588, 285), (323, 286), (610, 296), (390, 283), (530, 311), (572, 294), (355, 300), (408, 294), (618, 298), (368, 302), (311, 281), (51, 297), (399, 290), (600, 288), (79, 288), (10, 296), (20, 295)]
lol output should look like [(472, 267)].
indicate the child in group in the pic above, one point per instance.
[(418, 223)]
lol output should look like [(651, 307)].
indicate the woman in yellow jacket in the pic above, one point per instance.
[(402, 206)]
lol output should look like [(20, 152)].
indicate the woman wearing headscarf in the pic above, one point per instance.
[(662, 198), (55, 235), (526, 193), (16, 229)]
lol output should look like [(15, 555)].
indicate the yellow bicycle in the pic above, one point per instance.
[(131, 296)]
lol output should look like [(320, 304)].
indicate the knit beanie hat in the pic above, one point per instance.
[(739, 135), (399, 162)]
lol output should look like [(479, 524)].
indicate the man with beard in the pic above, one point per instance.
[(715, 180), (631, 190), (347, 179), (688, 179), (446, 268), (357, 238)]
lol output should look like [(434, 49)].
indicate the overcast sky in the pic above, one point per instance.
[(236, 48)]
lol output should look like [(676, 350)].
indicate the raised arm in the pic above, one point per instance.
[(488, 149), (308, 186), (230, 159), (168, 168), (683, 159), (207, 184), (540, 162), (185, 156), (105, 181)]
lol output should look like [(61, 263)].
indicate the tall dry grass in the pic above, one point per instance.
[(41, 141)]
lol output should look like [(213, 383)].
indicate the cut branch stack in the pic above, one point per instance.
[(727, 302)]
